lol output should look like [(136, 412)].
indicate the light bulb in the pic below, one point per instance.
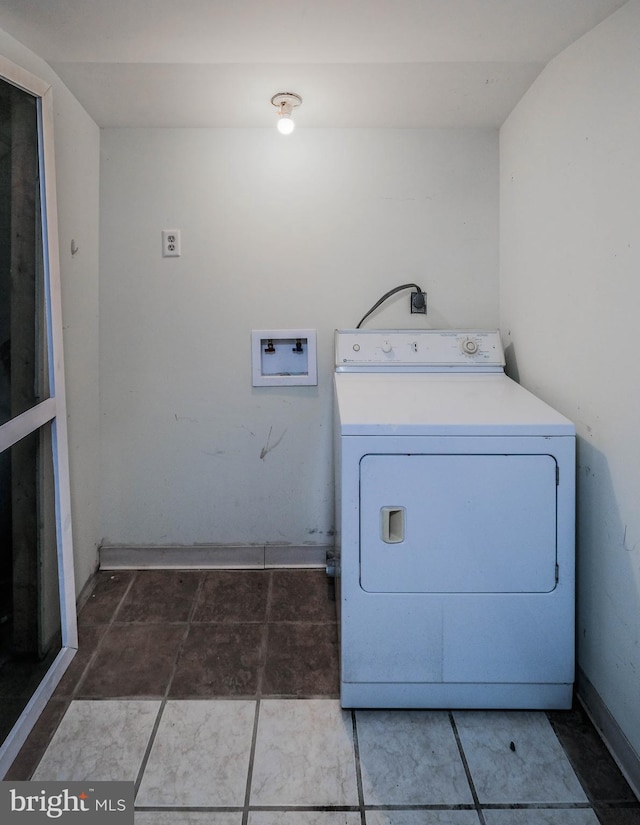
[(285, 125), (286, 102)]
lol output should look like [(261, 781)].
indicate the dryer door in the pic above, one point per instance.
[(458, 523)]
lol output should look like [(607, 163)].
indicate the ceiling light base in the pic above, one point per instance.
[(286, 101)]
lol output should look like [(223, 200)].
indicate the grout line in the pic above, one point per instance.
[(583, 782), (163, 704), (107, 626), (71, 697), (196, 597), (264, 645), (33, 766), (165, 698), (271, 808), (262, 661), (356, 753), (426, 807), (507, 806), (175, 661), (467, 770), (208, 809), (147, 753), (537, 806), (134, 579), (324, 808), (267, 617), (187, 627), (252, 753), (194, 606)]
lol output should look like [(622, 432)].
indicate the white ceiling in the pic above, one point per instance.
[(377, 63)]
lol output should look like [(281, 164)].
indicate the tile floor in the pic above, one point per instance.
[(216, 692)]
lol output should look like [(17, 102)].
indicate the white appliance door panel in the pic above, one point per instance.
[(393, 638), (508, 638), (458, 523)]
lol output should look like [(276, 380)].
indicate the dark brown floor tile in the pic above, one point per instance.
[(594, 765), (10, 710), (610, 815), (133, 660), (19, 679), (107, 594), (219, 659), (302, 595), (160, 596), (302, 660), (89, 637), (233, 596), (21, 676), (31, 752)]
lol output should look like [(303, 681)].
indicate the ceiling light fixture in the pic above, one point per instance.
[(286, 102)]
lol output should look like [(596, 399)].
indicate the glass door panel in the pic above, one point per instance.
[(23, 356), (38, 634), (30, 629)]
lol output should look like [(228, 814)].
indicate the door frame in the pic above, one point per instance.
[(52, 410)]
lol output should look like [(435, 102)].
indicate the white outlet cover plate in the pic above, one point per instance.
[(171, 243)]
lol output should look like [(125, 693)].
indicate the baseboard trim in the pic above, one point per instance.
[(213, 557), (622, 751)]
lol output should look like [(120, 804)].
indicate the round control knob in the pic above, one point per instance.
[(469, 346), (386, 347)]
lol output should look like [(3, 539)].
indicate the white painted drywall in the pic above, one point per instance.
[(305, 231), (570, 292), (77, 146)]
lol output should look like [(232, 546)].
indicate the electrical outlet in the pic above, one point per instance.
[(419, 303), (170, 243)]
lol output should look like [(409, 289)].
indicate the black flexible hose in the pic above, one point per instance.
[(384, 298)]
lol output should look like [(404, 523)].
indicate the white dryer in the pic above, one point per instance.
[(455, 491)]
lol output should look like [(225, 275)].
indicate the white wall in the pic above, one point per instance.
[(301, 231), (570, 291), (77, 143)]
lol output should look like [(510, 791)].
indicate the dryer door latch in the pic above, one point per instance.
[(392, 524)]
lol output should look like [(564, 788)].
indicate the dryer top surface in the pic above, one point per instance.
[(442, 404)]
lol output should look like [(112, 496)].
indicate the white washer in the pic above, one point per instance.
[(455, 491)]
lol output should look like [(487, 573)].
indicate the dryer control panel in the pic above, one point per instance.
[(382, 349)]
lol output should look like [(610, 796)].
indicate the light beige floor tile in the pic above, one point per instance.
[(422, 818), (200, 756), (304, 818), (514, 756), (304, 754), (99, 741), (541, 817), (410, 757), (188, 818)]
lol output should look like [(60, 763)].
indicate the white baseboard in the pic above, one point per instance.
[(622, 751), (213, 557)]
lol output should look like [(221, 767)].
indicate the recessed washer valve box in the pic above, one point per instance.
[(284, 357)]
